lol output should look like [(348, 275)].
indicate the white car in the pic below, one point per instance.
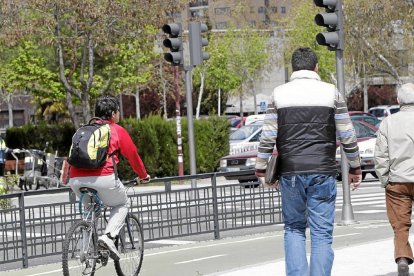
[(366, 136), (383, 111), (246, 138)]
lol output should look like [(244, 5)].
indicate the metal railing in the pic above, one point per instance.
[(35, 231)]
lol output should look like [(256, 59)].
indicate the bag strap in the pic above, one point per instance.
[(113, 162), (96, 119)]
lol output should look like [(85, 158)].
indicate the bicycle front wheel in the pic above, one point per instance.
[(79, 250), (130, 244)]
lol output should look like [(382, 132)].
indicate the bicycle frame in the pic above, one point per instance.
[(90, 215)]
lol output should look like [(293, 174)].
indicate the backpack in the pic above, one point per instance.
[(90, 145)]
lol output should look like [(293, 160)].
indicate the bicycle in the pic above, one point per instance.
[(81, 253)]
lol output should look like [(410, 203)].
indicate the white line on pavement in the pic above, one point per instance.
[(170, 242), (210, 245), (370, 211), (345, 235), (200, 259)]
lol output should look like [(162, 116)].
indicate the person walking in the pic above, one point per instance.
[(3, 152), (104, 180), (307, 116), (394, 165)]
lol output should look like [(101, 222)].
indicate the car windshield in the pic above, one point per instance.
[(245, 132), (377, 112), (369, 119), (363, 131)]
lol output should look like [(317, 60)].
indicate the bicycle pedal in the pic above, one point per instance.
[(104, 257)]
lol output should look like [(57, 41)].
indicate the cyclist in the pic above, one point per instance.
[(104, 180)]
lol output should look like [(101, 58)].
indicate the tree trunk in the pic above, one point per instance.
[(254, 101), (200, 95), (219, 102), (164, 92), (137, 106), (10, 109), (241, 104)]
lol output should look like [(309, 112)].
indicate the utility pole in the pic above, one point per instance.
[(334, 40), (178, 122)]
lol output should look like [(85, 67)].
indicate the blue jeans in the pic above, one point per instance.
[(308, 199)]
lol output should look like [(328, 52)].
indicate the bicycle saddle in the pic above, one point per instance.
[(87, 190)]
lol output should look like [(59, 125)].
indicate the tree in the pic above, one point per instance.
[(384, 43), (24, 70), (216, 71), (250, 56), (236, 59), (301, 31), (86, 37)]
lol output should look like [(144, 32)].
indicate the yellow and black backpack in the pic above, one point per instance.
[(90, 145)]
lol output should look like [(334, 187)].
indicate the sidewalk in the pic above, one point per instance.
[(353, 260)]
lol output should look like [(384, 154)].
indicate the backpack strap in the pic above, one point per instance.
[(113, 162)]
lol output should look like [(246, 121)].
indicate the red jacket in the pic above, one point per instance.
[(121, 141)]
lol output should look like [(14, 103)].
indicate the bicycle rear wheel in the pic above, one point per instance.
[(79, 250), (130, 244)]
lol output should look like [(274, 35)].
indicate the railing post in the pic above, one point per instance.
[(167, 186), (215, 207), (25, 257)]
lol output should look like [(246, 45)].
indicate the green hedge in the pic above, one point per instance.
[(154, 137)]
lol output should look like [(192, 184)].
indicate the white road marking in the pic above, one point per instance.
[(364, 199), (345, 235), (175, 242), (200, 259), (364, 203), (370, 211), (210, 245)]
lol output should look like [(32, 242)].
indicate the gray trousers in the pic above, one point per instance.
[(111, 192)]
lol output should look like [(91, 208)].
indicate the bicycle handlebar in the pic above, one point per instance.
[(135, 181)]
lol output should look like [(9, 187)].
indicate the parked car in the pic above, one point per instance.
[(254, 118), (382, 111), (240, 162), (246, 160), (365, 117), (366, 137), (246, 138)]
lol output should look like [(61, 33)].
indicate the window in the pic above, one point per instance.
[(273, 9), (222, 25), (283, 9), (261, 10), (220, 11), (197, 13)]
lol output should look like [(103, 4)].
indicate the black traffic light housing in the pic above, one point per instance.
[(197, 42), (333, 21), (174, 43)]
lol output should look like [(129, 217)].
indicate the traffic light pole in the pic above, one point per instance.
[(191, 143), (178, 122), (347, 217)]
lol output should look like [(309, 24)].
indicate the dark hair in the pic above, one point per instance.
[(105, 105), (304, 59)]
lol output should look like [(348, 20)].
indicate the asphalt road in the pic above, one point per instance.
[(199, 255)]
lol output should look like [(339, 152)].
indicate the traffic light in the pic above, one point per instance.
[(197, 42), (333, 21), (174, 42)]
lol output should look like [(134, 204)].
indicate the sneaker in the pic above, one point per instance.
[(107, 243), (403, 267)]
